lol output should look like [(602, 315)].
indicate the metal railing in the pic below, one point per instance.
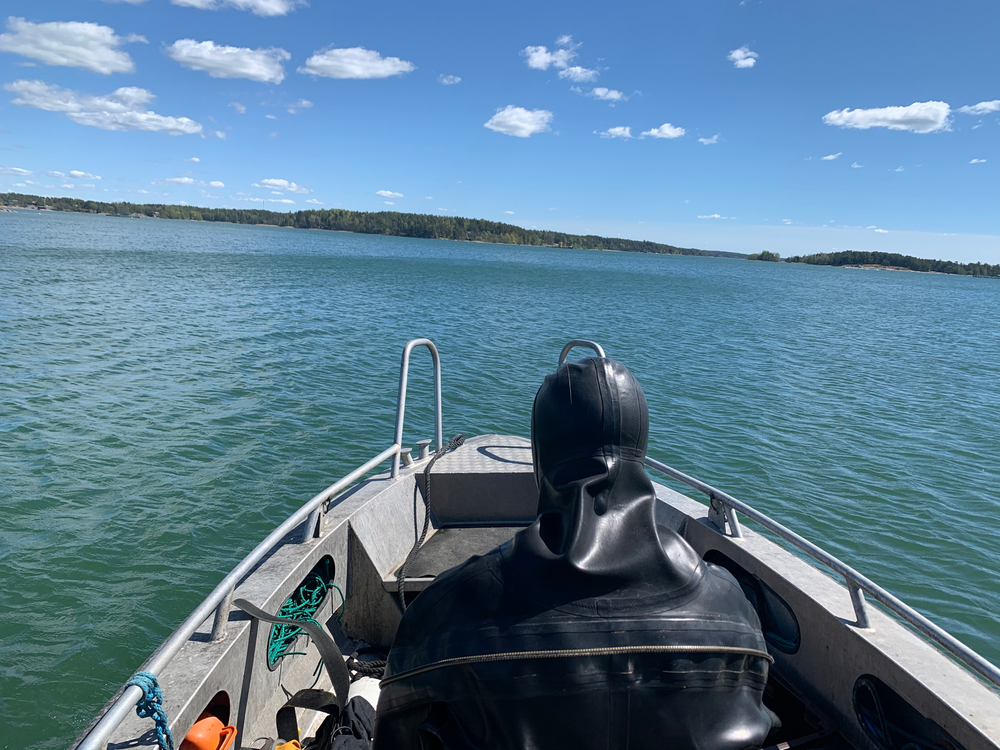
[(221, 599), (723, 509), (404, 372)]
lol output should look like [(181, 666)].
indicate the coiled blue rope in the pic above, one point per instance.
[(150, 706)]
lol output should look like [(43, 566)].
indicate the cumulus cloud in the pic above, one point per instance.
[(257, 7), (919, 117), (716, 216), (619, 131), (743, 57), (219, 61), (354, 62), (509, 212), (579, 74), (607, 95), (241, 109), (855, 165), (540, 58), (448, 80), (183, 181), (73, 44), (983, 108), (388, 194), (221, 135), (831, 157), (281, 185), (123, 109), (709, 141), (978, 161), (882, 231), (17, 171), (666, 130), (76, 174), (270, 117), (193, 159), (519, 122), (217, 184), (389, 203), (314, 202), (300, 105)]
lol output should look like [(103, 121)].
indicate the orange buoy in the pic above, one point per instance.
[(209, 733)]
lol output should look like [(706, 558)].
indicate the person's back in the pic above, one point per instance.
[(593, 627)]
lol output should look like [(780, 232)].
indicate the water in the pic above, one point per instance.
[(169, 391)]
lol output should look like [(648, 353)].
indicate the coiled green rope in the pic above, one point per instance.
[(301, 605)]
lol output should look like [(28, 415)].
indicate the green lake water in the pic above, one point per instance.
[(169, 391)]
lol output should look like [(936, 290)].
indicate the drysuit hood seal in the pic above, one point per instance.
[(596, 534)]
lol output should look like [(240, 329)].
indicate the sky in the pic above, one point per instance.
[(738, 125)]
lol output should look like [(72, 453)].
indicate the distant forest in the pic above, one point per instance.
[(425, 226), (857, 258)]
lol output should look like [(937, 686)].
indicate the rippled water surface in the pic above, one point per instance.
[(169, 391)]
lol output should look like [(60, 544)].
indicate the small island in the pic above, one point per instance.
[(896, 262)]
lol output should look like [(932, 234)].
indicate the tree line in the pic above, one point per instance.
[(426, 226), (862, 258)]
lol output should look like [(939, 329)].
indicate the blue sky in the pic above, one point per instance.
[(731, 125)]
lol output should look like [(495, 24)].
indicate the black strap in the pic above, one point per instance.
[(315, 700), (333, 659)]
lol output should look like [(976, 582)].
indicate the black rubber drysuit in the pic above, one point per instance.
[(592, 628)]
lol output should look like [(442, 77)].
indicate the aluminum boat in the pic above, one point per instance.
[(853, 666)]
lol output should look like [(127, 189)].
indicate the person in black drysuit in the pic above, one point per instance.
[(592, 628)]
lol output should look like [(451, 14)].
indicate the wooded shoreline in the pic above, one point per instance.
[(429, 226)]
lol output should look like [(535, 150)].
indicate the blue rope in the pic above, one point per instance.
[(150, 706)]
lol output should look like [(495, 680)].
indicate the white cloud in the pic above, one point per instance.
[(270, 117), (831, 157), (619, 131), (76, 174), (787, 221), (299, 105), (219, 61), (882, 231), (919, 117), (71, 43), (240, 108), (872, 227), (388, 194), (448, 80), (221, 135), (540, 58), (428, 197), (314, 202), (607, 95), (282, 185), (509, 212), (193, 159), (579, 74), (709, 141), (519, 122), (354, 62), (855, 165), (68, 186), (280, 200), (566, 40), (389, 203), (898, 169), (57, 174), (716, 216), (182, 181), (216, 184), (978, 161), (983, 108), (257, 7), (666, 130), (743, 57), (123, 109), (17, 171)]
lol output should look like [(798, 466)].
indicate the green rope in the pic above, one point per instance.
[(301, 605)]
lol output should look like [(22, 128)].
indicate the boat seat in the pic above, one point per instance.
[(445, 549)]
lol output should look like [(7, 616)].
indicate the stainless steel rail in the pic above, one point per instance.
[(220, 601), (857, 584), (404, 372), (579, 342)]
